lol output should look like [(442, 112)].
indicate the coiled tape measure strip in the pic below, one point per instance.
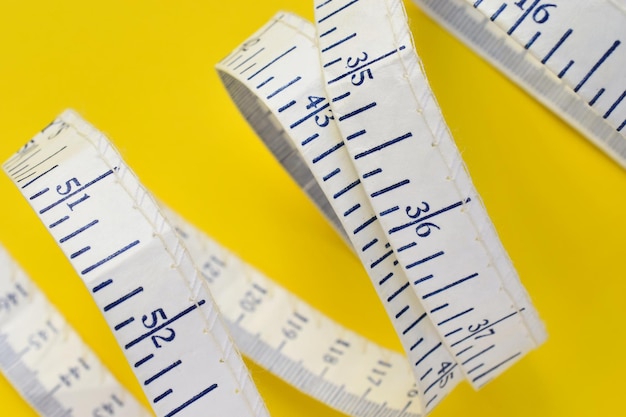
[(434, 359), (556, 51)]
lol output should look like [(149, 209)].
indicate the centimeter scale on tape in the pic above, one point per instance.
[(352, 109), (569, 54), (273, 327), (46, 361)]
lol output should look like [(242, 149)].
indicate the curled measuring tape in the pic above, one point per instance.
[(372, 136), (569, 54), (273, 327), (46, 361), (151, 294), (347, 372)]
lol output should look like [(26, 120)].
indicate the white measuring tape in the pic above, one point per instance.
[(46, 360), (448, 254), (129, 256), (569, 54)]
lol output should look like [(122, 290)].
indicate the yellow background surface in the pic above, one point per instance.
[(142, 71)]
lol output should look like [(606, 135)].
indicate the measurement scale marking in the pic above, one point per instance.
[(596, 97), (102, 285), (407, 246), (339, 42), (41, 162), (10, 170), (346, 189), (398, 291), (337, 11), (165, 324), (328, 32), (532, 40), (379, 260), (80, 252), (476, 368), (614, 105), (356, 134), (78, 190), (258, 87), (38, 177), (286, 106), (429, 216), (597, 65), (310, 139), (447, 287), (110, 257), (495, 15), (357, 111), (39, 194), (496, 367), (369, 244), (143, 360), (364, 225), (78, 231), (162, 372), (430, 352), (284, 87), (456, 316), (401, 312), (327, 152), (522, 17), (272, 62), (557, 46), (383, 145), (455, 331), (351, 210), (389, 188), (124, 323), (367, 64), (333, 62), (424, 260), (247, 59), (319, 6), (565, 69), (415, 323), (123, 298), (191, 401), (331, 174), (161, 396), (477, 354)]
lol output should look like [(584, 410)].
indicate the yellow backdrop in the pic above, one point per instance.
[(142, 71)]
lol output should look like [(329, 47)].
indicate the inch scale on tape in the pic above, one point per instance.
[(555, 50), (46, 361)]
